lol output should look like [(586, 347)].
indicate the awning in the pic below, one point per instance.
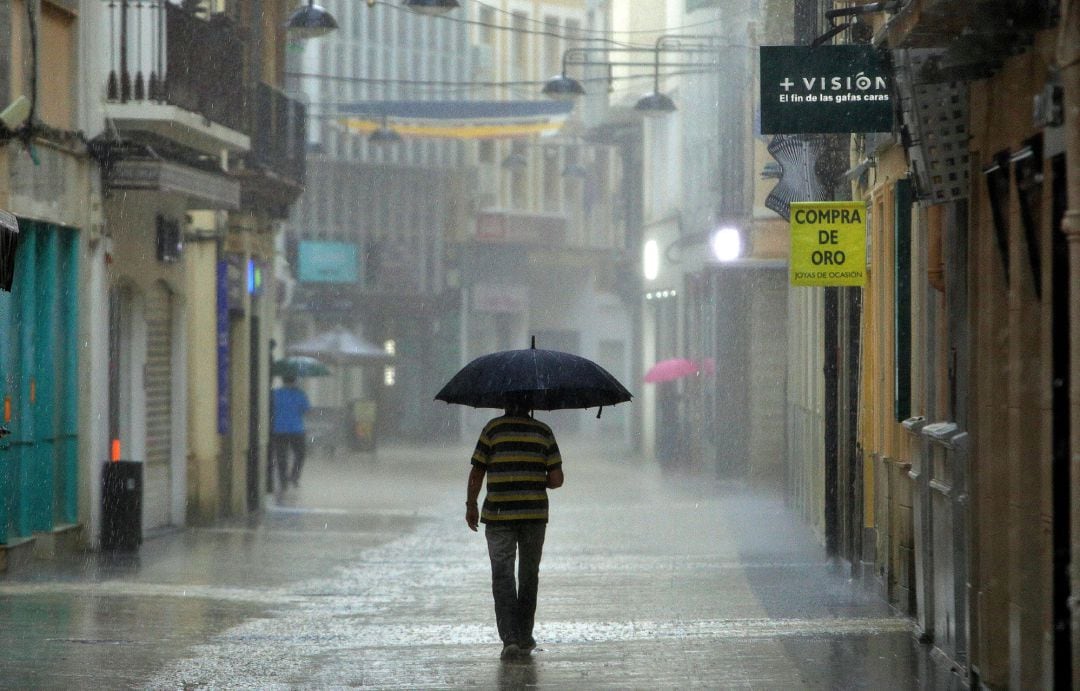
[(457, 119)]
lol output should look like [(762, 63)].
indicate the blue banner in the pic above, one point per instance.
[(223, 396)]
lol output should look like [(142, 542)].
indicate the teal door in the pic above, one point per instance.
[(39, 383)]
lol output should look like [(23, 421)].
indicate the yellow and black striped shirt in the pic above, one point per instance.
[(517, 453)]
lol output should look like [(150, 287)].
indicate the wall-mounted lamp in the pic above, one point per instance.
[(515, 161), (861, 31), (310, 21), (655, 104), (384, 134), (651, 260), (575, 170), (431, 7), (726, 244), (562, 86)]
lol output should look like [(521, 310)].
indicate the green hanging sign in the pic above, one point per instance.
[(827, 89)]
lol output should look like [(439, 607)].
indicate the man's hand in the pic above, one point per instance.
[(476, 481), (555, 478)]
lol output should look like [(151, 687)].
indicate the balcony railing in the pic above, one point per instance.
[(521, 227), (162, 53), (278, 133)]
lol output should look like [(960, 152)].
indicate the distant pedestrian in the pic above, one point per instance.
[(288, 404), (521, 459)]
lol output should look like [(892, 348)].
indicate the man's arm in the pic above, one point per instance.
[(472, 491), (555, 475)]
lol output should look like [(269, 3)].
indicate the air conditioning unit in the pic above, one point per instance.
[(9, 242)]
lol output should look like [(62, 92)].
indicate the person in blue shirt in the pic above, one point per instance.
[(288, 404)]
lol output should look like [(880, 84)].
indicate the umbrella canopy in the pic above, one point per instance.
[(670, 370), (339, 346), (299, 366), (542, 379)]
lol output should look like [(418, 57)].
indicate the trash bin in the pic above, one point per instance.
[(121, 505)]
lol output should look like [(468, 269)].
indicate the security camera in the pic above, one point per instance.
[(16, 113)]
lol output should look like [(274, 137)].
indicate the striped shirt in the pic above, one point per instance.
[(517, 453)]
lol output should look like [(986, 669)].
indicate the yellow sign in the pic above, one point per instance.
[(828, 243)]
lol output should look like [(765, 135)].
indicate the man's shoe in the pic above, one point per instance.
[(510, 651), (528, 646)]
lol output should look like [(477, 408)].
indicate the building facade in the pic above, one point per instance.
[(698, 190), (47, 180), (963, 480), (388, 209), (150, 124), (541, 255)]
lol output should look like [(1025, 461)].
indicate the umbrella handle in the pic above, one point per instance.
[(598, 412)]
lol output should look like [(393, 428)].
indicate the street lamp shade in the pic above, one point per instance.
[(575, 170), (310, 21), (515, 161), (561, 87), (655, 104), (384, 135), (431, 6)]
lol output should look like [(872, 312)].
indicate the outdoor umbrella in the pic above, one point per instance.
[(543, 379), (299, 366), (670, 370), (339, 346)]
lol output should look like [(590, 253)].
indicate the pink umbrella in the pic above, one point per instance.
[(670, 370)]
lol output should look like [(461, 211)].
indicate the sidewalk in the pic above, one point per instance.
[(367, 576)]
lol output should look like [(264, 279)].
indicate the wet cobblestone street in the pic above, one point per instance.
[(366, 576)]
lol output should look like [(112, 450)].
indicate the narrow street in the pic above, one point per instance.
[(366, 576)]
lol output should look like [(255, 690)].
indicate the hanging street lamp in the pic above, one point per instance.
[(310, 21)]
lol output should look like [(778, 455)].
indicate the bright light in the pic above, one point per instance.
[(389, 371), (727, 244), (651, 260)]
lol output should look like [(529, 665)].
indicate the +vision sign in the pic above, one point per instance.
[(827, 89), (828, 243)]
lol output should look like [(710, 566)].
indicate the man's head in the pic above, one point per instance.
[(289, 379), (517, 408)]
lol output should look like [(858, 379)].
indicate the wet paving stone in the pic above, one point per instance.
[(367, 577)]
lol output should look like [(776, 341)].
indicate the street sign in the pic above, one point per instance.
[(328, 262), (828, 243), (824, 89)]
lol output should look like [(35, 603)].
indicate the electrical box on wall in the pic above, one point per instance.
[(169, 240)]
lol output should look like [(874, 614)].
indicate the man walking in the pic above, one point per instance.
[(521, 460), (288, 404)]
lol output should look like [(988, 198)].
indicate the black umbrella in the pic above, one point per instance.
[(540, 379)]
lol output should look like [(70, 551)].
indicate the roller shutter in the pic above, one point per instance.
[(158, 383)]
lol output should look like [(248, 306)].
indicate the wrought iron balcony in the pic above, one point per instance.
[(272, 171), (278, 134), (177, 74), (975, 35)]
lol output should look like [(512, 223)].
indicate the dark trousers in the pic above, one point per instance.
[(515, 602), (280, 445)]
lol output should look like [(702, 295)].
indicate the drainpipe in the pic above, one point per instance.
[(1068, 57)]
